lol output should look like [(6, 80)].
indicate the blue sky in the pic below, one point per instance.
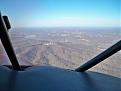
[(65, 13)]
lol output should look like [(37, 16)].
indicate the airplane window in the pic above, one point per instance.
[(63, 33)]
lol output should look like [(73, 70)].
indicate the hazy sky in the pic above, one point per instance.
[(57, 13)]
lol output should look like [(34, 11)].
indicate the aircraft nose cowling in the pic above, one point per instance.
[(48, 78)]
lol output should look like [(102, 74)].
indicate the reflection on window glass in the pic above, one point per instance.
[(64, 33)]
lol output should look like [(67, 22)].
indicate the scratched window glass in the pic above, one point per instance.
[(63, 33)]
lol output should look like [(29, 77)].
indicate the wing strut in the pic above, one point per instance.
[(99, 58), (4, 27)]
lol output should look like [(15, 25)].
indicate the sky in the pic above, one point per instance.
[(62, 13)]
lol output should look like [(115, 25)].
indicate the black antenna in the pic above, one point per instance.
[(107, 53), (4, 26)]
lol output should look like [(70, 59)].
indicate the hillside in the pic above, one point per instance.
[(66, 48)]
